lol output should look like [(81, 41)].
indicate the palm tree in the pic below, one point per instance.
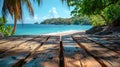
[(14, 8)]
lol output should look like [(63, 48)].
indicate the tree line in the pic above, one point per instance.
[(67, 21)]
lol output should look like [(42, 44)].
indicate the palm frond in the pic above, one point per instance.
[(39, 2), (29, 6), (67, 2)]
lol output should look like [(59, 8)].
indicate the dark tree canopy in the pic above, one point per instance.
[(109, 10)]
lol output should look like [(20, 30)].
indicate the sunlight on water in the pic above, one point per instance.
[(37, 29)]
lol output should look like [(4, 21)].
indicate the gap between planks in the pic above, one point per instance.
[(61, 56), (91, 47), (95, 57), (21, 62), (100, 44)]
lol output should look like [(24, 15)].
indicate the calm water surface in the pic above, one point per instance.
[(37, 29)]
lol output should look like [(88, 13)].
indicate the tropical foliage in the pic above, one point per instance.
[(96, 20), (5, 30), (108, 10), (2, 21), (14, 8), (67, 21)]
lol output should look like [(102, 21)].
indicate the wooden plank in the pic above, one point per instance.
[(29, 45), (13, 56), (71, 53), (12, 38), (76, 56), (72, 58), (106, 57), (107, 44), (8, 39), (12, 44), (17, 55), (20, 39), (38, 44), (46, 56)]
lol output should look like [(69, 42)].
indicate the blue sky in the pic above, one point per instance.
[(47, 9)]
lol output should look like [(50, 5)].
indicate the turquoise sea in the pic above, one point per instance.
[(38, 29)]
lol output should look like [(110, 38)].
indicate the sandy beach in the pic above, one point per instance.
[(70, 32)]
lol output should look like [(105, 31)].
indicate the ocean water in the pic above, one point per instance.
[(38, 29)]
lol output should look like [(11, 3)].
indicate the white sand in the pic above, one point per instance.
[(70, 32)]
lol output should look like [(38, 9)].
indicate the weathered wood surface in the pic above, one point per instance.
[(106, 57), (44, 51), (8, 39), (109, 43), (33, 47), (15, 43), (75, 56), (47, 55), (19, 53)]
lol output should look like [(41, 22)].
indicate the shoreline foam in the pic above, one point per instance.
[(63, 33)]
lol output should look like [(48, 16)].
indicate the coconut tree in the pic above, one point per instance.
[(14, 8)]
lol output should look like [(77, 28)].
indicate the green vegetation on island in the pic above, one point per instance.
[(67, 21)]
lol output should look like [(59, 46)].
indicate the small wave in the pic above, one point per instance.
[(65, 32)]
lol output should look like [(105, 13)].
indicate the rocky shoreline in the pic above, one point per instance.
[(104, 30)]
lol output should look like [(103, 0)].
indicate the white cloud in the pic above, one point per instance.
[(53, 10), (36, 18), (53, 13)]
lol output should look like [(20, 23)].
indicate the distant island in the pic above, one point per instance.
[(67, 21), (36, 23)]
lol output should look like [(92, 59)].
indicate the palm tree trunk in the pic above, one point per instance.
[(14, 28)]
